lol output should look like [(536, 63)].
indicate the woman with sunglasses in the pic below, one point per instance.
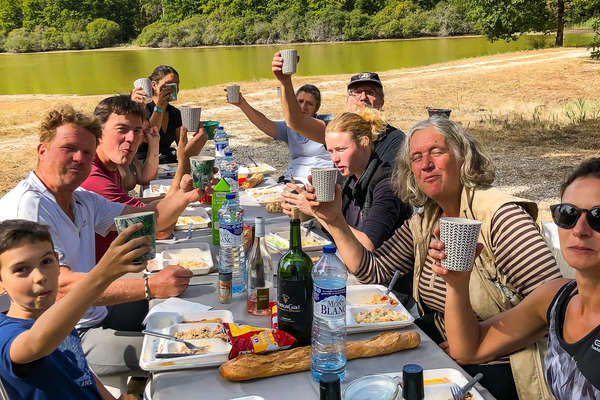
[(568, 311), (444, 170)]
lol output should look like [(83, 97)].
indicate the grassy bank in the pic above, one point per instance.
[(537, 112)]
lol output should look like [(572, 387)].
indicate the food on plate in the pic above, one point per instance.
[(436, 381), (307, 241), (311, 240), (159, 189), (252, 366), (252, 181), (182, 349), (213, 320), (379, 299), (202, 333), (253, 169), (184, 220), (274, 207), (192, 264), (379, 314)]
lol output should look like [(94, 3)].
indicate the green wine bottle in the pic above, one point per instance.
[(294, 287)]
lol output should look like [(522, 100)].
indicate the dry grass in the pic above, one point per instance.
[(517, 104)]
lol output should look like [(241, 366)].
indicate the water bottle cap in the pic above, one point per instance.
[(230, 196), (329, 249), (220, 128), (228, 154), (329, 386), (412, 382)]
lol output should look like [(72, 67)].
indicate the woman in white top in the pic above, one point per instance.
[(304, 153)]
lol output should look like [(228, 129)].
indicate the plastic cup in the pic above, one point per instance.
[(278, 89), (290, 60), (202, 170), (173, 87), (438, 112), (460, 241), (190, 117), (324, 180), (145, 84), (210, 127), (148, 219), (233, 94)]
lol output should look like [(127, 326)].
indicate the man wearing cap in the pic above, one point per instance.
[(364, 89)]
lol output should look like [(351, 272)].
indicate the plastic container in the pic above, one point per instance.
[(231, 256), (221, 146), (229, 172), (328, 353)]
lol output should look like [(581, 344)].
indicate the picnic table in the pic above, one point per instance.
[(208, 384)]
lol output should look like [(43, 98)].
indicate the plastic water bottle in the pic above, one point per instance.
[(221, 146), (231, 256), (328, 353), (229, 172)]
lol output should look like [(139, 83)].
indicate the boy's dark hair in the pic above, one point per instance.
[(13, 232), (589, 167), (311, 89), (121, 105)]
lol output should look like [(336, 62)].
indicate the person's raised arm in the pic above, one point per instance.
[(307, 126), (156, 119), (149, 169), (472, 342), (51, 328), (257, 118)]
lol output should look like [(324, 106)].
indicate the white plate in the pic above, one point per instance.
[(279, 240), (169, 322), (198, 217), (441, 391), (267, 194), (356, 294), (166, 170)]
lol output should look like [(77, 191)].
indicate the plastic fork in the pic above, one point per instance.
[(187, 344), (458, 393)]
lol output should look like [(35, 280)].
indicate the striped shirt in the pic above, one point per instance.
[(520, 251)]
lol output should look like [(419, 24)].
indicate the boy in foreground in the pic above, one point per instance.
[(40, 352)]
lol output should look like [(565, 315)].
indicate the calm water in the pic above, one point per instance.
[(99, 72)]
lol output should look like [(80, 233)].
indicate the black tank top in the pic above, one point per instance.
[(572, 369)]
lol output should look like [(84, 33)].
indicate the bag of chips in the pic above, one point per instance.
[(251, 339)]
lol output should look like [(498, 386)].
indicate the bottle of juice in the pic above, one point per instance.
[(218, 198)]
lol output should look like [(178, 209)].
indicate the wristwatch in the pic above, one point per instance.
[(158, 109)]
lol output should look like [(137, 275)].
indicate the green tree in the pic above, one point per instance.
[(11, 15), (102, 32)]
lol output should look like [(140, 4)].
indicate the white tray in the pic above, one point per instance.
[(200, 253), (279, 240), (267, 194), (356, 295), (166, 170), (166, 323), (441, 391), (200, 217)]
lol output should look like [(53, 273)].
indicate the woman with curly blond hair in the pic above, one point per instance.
[(444, 170)]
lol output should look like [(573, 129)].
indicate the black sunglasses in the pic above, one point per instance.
[(566, 215)]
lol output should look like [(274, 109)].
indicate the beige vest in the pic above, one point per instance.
[(490, 291)]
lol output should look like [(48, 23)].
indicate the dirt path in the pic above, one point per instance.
[(521, 105)]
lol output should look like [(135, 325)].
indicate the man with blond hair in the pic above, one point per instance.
[(51, 195)]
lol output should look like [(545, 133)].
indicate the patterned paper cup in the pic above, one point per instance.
[(233, 94), (149, 229), (145, 84), (290, 60), (324, 180), (190, 117), (460, 240), (202, 170)]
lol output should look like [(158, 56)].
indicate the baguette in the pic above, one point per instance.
[(253, 180), (252, 366)]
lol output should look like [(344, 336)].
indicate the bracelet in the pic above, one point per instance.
[(147, 289), (158, 109)]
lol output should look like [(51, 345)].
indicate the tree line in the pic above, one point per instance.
[(43, 25)]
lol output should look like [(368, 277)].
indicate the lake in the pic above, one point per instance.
[(113, 71)]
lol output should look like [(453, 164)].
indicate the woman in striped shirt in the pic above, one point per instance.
[(442, 169)]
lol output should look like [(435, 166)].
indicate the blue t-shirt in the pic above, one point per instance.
[(304, 153), (64, 374)]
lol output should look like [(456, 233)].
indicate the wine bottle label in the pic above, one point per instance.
[(230, 234), (291, 303), (262, 299), (329, 303)]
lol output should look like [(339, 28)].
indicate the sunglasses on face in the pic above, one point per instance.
[(566, 215)]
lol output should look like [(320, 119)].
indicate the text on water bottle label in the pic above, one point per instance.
[(329, 303)]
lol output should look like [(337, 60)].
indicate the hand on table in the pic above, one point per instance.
[(452, 278), (171, 281), (138, 95)]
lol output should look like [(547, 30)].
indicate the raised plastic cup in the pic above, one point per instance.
[(145, 84), (148, 219), (202, 170), (324, 180), (460, 241), (233, 94), (290, 61), (190, 117)]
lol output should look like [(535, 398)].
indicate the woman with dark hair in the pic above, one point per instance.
[(568, 311), (304, 153), (444, 170), (163, 115)]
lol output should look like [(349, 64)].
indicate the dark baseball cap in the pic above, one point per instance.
[(370, 77)]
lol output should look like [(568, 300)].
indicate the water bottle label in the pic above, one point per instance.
[(232, 180), (329, 303), (230, 234), (221, 146)]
